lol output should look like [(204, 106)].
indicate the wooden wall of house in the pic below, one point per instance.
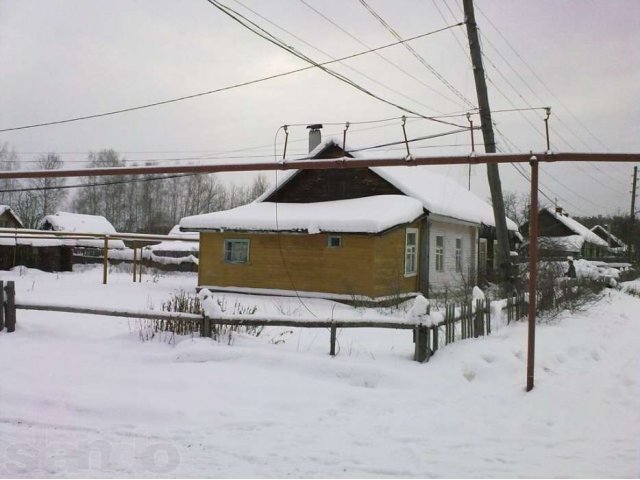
[(449, 278), (7, 220), (326, 185), (371, 265)]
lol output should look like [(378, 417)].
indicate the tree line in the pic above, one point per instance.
[(132, 203)]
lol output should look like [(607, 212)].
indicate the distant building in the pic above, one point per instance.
[(559, 235)]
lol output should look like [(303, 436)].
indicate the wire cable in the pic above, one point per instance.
[(230, 87), (263, 33)]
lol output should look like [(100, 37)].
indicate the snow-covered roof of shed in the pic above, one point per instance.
[(78, 222), (439, 194), (359, 215), (578, 228)]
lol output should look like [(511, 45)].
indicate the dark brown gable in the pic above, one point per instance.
[(326, 185), (550, 226)]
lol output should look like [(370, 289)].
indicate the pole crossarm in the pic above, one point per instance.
[(328, 164)]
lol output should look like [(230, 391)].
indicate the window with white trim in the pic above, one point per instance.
[(411, 252), (439, 253), (482, 255), (458, 255), (236, 251)]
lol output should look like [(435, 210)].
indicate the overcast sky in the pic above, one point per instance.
[(68, 58)]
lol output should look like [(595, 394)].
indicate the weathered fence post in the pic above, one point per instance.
[(436, 330), (206, 327), (1, 305), (135, 260), (422, 344), (10, 312), (487, 306), (105, 266), (332, 350)]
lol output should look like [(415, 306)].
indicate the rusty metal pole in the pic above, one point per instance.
[(533, 271), (546, 126), (344, 137), (135, 258), (404, 132), (105, 262), (286, 140)]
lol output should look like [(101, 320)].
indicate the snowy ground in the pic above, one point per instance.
[(83, 396)]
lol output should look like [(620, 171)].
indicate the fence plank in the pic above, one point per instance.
[(10, 312), (332, 350), (1, 305)]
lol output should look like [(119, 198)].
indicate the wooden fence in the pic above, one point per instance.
[(8, 306), (460, 322)]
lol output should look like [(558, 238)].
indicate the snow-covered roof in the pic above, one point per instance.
[(607, 233), (82, 223), (177, 245), (78, 222), (438, 193), (578, 228), (359, 215), (570, 243)]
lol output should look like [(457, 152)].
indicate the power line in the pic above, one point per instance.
[(533, 72), (395, 65), (271, 38), (234, 86), (419, 57), (368, 77)]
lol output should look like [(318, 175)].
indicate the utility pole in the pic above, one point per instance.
[(633, 192), (493, 174), (632, 243)]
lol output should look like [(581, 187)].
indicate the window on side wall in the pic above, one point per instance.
[(439, 253), (458, 255), (482, 255), (236, 251), (334, 241), (411, 252)]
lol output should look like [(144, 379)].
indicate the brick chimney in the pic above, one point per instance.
[(315, 137)]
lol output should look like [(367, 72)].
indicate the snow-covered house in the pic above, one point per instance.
[(82, 223), (559, 235), (374, 232), (8, 218), (616, 246)]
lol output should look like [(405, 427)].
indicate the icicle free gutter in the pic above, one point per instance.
[(328, 164)]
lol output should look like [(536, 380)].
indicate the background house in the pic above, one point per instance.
[(442, 238), (559, 235)]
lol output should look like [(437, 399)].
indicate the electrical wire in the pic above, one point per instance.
[(229, 87), (379, 55), (323, 52), (266, 35), (419, 57)]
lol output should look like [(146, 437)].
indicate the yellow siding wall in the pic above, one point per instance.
[(368, 265)]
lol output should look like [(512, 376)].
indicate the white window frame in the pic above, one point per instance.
[(225, 250), (482, 255), (330, 237), (459, 248), (439, 254), (411, 253)]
